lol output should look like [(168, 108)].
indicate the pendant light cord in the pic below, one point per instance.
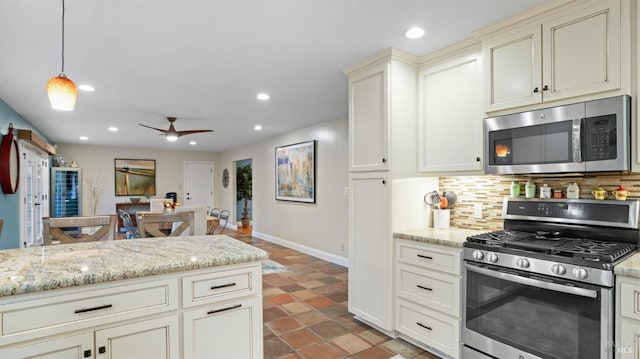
[(62, 36)]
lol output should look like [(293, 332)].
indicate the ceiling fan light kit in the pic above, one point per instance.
[(62, 92)]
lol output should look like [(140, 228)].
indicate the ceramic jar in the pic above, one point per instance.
[(599, 193), (620, 193)]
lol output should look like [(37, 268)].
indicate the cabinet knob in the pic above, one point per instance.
[(384, 182), (545, 88), (477, 159), (535, 90), (102, 350), (87, 353), (384, 160)]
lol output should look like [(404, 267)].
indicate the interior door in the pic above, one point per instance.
[(34, 190), (198, 184)]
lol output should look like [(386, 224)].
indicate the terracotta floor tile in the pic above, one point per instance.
[(351, 343), (312, 284), (280, 299), (337, 296), (329, 329), (334, 311), (399, 346), (352, 324), (343, 286), (374, 353), (292, 288), (329, 280), (304, 294), (426, 355), (326, 290), (276, 280), (320, 302), (294, 308), (272, 291), (290, 356), (301, 338), (275, 348), (321, 351), (312, 317), (270, 314), (373, 336), (284, 325)]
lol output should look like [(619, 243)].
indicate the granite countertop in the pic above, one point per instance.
[(452, 237), (630, 267), (42, 268)]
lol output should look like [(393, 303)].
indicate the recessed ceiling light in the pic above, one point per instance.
[(257, 127), (84, 138), (87, 88), (113, 129), (263, 96), (414, 33), (193, 143)]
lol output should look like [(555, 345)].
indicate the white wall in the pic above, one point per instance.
[(100, 160), (320, 226)]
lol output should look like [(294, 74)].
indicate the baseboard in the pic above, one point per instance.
[(342, 261)]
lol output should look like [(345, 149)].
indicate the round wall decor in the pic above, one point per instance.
[(9, 163), (225, 178)]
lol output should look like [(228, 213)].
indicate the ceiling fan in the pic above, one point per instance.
[(171, 134)]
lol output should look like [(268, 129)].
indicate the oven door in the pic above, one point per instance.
[(514, 314)]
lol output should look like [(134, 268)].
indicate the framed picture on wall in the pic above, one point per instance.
[(296, 172), (135, 177)]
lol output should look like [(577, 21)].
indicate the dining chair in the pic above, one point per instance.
[(128, 224), (224, 216), (173, 224), (215, 212), (69, 229)]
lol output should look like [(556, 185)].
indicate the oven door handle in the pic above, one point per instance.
[(583, 292)]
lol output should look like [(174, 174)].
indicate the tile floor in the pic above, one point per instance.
[(305, 312)]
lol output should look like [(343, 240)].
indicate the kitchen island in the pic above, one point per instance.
[(172, 297)]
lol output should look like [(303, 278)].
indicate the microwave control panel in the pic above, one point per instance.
[(600, 137)]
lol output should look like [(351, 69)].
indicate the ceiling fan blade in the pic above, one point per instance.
[(153, 128), (191, 132)]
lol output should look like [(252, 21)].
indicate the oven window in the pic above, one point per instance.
[(543, 322)]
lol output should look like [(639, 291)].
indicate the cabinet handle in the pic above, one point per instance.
[(223, 286), (477, 159), (545, 88), (425, 257), (424, 326), (106, 306), (224, 309), (423, 287), (384, 182), (102, 350), (87, 353), (535, 90), (384, 160)]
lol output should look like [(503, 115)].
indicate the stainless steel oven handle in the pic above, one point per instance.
[(583, 292)]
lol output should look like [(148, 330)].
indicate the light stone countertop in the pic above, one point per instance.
[(630, 267), (42, 268), (452, 237)]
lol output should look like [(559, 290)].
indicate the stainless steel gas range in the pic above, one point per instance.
[(543, 286)]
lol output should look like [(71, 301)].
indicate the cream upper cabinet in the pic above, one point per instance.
[(383, 114), (450, 112), (577, 51)]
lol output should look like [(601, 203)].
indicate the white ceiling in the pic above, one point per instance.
[(204, 61)]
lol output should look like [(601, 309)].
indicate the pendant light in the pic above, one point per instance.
[(61, 90)]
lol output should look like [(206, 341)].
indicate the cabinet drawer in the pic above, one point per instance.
[(429, 327), (630, 300), (430, 256), (429, 288), (85, 309), (205, 288)]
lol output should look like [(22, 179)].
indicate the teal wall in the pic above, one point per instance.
[(9, 204)]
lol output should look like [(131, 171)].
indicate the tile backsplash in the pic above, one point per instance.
[(489, 192)]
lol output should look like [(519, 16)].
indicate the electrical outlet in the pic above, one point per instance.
[(477, 210)]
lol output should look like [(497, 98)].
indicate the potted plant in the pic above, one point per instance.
[(244, 184)]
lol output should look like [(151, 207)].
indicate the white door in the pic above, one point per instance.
[(198, 184), (34, 190)]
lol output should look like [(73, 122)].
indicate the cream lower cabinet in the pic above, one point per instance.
[(220, 309), (428, 296), (627, 337)]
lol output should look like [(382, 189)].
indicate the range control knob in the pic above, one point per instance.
[(558, 269), (477, 255), (522, 263), (580, 273), (492, 257)]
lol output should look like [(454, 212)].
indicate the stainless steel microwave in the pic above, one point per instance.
[(592, 136)]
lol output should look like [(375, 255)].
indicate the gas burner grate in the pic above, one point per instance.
[(595, 250)]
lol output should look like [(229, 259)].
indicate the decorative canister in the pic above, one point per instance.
[(530, 190), (515, 189), (599, 193), (573, 191), (620, 193), (545, 191), (557, 193)]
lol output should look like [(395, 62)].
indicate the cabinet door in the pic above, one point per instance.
[(369, 119), (155, 338), (69, 347), (512, 67), (451, 115), (582, 52), (232, 330), (370, 249), (628, 340)]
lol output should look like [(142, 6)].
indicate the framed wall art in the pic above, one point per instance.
[(296, 172), (135, 177)]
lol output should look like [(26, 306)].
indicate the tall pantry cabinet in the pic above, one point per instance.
[(382, 148)]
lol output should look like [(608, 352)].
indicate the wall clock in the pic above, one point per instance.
[(9, 163), (225, 178)]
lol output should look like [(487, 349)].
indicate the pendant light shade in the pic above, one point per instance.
[(62, 92)]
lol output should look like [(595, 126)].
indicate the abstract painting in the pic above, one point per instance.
[(296, 172), (135, 177)]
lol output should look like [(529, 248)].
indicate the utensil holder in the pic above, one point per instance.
[(441, 218)]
